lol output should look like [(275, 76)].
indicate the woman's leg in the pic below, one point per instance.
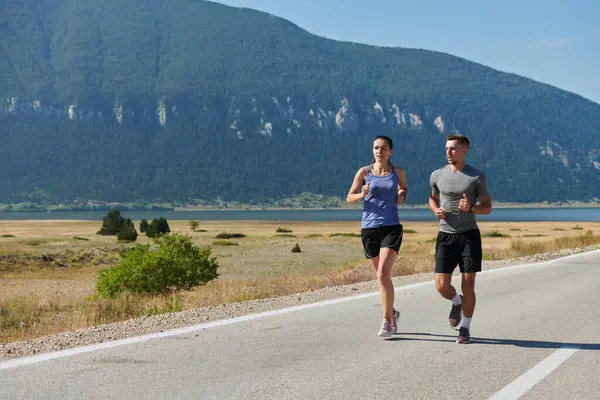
[(387, 256)]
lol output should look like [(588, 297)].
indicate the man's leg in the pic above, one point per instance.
[(468, 290), (446, 258), (443, 284), (470, 265)]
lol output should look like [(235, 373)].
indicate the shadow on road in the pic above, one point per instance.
[(538, 344)]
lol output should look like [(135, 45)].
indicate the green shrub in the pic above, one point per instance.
[(158, 226), (35, 242), (144, 226), (111, 223), (225, 235), (127, 231), (494, 234), (283, 230), (225, 243), (171, 262)]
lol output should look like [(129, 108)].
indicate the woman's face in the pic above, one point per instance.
[(381, 150)]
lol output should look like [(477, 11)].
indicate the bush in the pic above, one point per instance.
[(127, 231), (225, 235), (194, 225), (111, 223), (144, 226), (171, 262), (494, 234), (225, 243), (296, 249), (157, 227), (283, 230)]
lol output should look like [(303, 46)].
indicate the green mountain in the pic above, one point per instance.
[(171, 100)]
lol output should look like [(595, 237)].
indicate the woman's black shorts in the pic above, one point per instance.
[(373, 239)]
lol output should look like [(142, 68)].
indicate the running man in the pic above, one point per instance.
[(381, 186), (455, 190)]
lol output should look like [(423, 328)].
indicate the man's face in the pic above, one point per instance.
[(455, 152)]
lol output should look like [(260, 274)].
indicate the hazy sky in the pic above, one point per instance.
[(551, 41)]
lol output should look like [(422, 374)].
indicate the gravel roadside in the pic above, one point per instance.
[(164, 322)]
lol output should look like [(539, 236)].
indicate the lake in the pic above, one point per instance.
[(406, 214)]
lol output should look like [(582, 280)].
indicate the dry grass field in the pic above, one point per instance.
[(48, 269)]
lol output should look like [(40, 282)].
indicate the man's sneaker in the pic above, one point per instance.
[(395, 321), (464, 337), (455, 316), (386, 329)]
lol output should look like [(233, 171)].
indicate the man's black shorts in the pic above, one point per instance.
[(463, 249), (373, 239)]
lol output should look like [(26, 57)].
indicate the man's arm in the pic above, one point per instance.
[(434, 206), (484, 207), (485, 201), (434, 198), (434, 202)]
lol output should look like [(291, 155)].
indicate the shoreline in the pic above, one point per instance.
[(421, 206), (497, 205)]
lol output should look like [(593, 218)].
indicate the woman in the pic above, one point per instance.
[(381, 186)]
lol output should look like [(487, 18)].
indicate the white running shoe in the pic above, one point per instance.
[(386, 329), (395, 321)]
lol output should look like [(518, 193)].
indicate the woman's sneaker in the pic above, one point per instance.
[(395, 321), (386, 329)]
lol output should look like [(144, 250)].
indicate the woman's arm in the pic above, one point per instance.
[(358, 190)]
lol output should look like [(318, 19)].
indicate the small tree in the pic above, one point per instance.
[(111, 223), (157, 227), (171, 262), (127, 231), (194, 225), (144, 226)]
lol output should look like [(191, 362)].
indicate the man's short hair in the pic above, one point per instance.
[(461, 139)]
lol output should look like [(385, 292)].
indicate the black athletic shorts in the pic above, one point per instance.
[(373, 239), (463, 249)]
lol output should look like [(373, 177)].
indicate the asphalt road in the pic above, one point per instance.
[(536, 334)]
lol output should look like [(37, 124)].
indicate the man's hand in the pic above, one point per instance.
[(440, 213), (464, 204)]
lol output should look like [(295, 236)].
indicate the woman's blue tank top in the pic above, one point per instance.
[(381, 204)]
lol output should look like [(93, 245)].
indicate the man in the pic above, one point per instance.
[(455, 190)]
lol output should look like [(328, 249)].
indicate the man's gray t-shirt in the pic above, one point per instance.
[(451, 186)]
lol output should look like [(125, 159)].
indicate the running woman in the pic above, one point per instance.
[(455, 190), (382, 187)]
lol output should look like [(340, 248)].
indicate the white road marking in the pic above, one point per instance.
[(20, 362), (529, 379)]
